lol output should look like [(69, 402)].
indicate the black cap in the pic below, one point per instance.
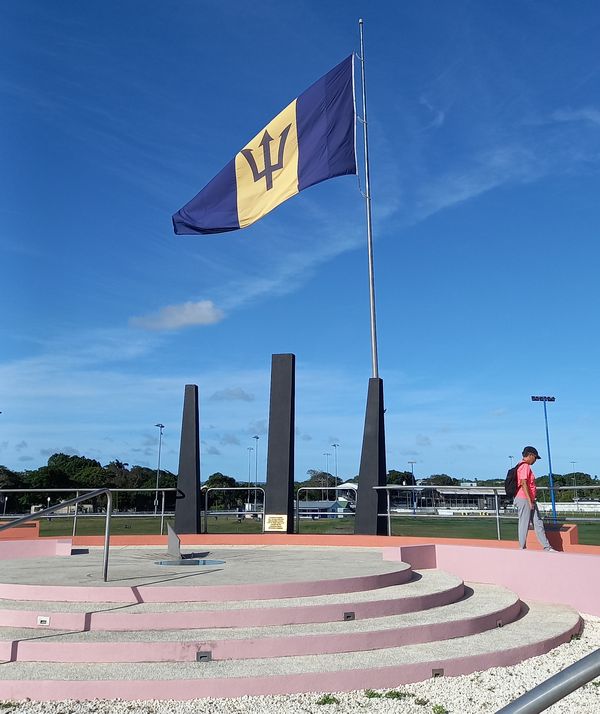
[(531, 450)]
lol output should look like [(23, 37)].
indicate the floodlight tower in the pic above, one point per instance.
[(550, 477), (414, 483), (160, 433)]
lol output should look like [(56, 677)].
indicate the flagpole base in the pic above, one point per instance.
[(371, 503)]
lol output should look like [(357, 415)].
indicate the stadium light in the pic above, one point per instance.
[(550, 477)]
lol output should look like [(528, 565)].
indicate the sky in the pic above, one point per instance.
[(484, 136)]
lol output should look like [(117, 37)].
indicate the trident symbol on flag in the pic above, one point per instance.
[(267, 172)]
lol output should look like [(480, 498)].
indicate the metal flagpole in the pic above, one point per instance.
[(374, 359), (372, 473)]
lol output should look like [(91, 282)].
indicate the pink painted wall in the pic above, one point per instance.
[(18, 549), (568, 578)]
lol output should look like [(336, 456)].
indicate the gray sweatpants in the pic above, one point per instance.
[(530, 515)]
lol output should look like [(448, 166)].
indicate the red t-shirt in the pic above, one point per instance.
[(524, 473)]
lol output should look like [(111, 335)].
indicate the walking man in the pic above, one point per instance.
[(527, 508)]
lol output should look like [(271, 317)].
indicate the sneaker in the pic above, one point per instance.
[(550, 549)]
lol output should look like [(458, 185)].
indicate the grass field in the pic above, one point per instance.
[(481, 528)]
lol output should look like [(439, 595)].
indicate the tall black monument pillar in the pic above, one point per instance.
[(280, 457), (187, 505), (373, 470)]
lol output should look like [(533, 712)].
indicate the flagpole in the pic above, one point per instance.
[(370, 505), (374, 359)]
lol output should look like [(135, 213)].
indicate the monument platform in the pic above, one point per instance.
[(272, 619)]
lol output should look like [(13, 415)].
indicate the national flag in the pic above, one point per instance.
[(311, 140)]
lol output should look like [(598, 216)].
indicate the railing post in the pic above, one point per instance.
[(389, 512), (107, 533), (208, 490), (298, 509), (497, 513), (75, 514)]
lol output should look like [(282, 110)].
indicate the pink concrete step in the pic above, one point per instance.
[(540, 628), (423, 591), (485, 607), (402, 573)]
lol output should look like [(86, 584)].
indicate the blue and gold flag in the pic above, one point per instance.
[(311, 140)]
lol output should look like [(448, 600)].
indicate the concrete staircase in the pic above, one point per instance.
[(385, 625)]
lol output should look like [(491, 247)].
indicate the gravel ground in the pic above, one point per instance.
[(470, 694)]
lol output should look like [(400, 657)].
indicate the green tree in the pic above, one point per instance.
[(226, 500), (46, 477), (572, 481), (71, 465), (400, 478), (91, 477), (8, 479), (441, 480), (142, 477), (321, 480)]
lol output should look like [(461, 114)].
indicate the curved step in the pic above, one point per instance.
[(484, 608), (424, 590), (280, 573), (540, 628)]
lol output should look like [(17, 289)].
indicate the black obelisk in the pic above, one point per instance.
[(280, 456), (188, 505), (370, 502)]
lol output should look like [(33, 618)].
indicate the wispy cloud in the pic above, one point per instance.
[(586, 114), (231, 395), (461, 447), (258, 428), (69, 450), (487, 170), (175, 317), (438, 116)]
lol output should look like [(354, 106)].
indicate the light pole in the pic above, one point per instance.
[(414, 494), (550, 477), (121, 466), (511, 458), (256, 438), (326, 454), (574, 481), (250, 450), (160, 433), (335, 448)]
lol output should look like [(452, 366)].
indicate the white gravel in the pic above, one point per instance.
[(485, 691)]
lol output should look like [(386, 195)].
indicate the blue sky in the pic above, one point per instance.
[(485, 158)]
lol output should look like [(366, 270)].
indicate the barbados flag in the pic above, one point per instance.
[(311, 140)]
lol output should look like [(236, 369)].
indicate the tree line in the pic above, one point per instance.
[(78, 472)]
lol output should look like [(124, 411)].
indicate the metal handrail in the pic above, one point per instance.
[(496, 491), (556, 687), (58, 506), (77, 491), (318, 488), (484, 490), (229, 488)]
